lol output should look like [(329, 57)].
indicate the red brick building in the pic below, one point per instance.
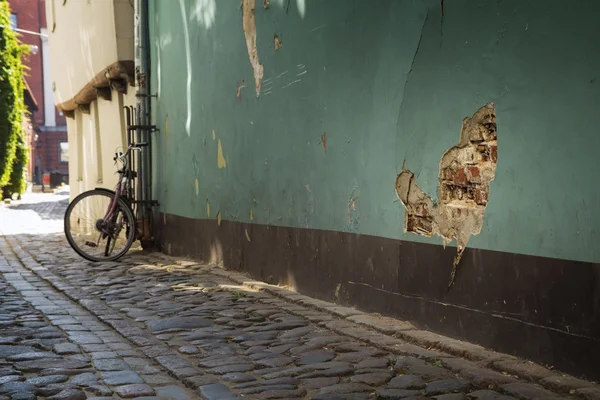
[(48, 144)]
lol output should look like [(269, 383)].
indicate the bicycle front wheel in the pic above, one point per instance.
[(93, 237)]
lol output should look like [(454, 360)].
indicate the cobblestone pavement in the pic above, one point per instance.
[(157, 327)]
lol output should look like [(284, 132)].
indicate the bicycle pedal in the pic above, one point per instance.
[(90, 244)]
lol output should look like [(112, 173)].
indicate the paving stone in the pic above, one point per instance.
[(372, 362), (407, 382), (173, 362), (485, 377), (342, 396), (528, 391), (352, 387), (23, 396), (453, 396), (415, 366), (340, 371), (523, 369), (488, 395), (393, 394), (157, 379), (189, 350), (589, 393), (317, 383), (69, 394), (16, 386), (178, 323), (63, 371), (31, 356), (54, 389), (355, 357), (7, 350), (282, 394), (564, 384), (46, 380), (446, 386), (66, 348), (268, 382), (38, 365), (134, 390), (11, 378), (226, 369), (374, 378), (121, 378), (274, 361), (99, 390), (238, 377), (315, 356), (110, 364), (103, 354), (86, 379), (216, 391), (260, 389), (172, 393)]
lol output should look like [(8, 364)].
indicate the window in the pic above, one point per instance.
[(13, 22), (63, 152)]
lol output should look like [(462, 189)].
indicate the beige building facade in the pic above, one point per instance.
[(92, 67)]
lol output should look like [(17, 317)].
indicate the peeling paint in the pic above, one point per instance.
[(167, 128), (197, 187), (465, 173), (353, 215), (247, 236), (214, 135), (324, 141), (251, 215), (221, 163), (266, 4), (277, 43), (207, 208), (219, 218), (249, 26), (239, 89)]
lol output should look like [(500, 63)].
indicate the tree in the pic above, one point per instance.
[(12, 104)]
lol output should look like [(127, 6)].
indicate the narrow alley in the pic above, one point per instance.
[(153, 326)]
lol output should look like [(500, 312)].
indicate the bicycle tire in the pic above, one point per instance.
[(122, 205)]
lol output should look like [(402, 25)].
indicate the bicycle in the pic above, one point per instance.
[(95, 236)]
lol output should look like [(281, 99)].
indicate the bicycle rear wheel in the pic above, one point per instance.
[(94, 238)]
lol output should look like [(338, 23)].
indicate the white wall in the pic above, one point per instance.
[(94, 138)]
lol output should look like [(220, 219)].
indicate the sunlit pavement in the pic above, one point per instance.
[(153, 325)]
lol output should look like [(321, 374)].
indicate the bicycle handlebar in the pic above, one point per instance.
[(121, 156)]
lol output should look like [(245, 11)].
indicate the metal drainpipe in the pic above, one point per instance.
[(142, 72), (139, 100), (148, 103)]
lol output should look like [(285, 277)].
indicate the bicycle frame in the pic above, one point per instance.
[(121, 186)]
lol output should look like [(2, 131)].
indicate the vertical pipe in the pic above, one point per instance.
[(139, 120), (143, 134), (147, 72)]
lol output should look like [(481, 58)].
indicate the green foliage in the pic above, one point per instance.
[(16, 182), (12, 106)]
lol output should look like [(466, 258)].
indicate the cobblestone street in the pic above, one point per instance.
[(153, 326)]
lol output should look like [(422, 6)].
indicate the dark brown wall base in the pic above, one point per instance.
[(543, 309)]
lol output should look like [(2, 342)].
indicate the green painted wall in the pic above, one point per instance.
[(386, 80)]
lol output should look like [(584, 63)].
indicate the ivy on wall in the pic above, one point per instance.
[(13, 151)]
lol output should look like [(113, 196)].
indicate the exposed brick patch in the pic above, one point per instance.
[(465, 173)]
